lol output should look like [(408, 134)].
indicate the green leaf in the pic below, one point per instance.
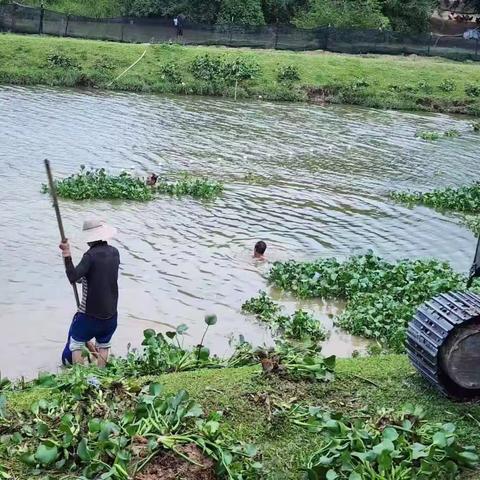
[(251, 450), (181, 329), (83, 451), (204, 354), (194, 411), (440, 439), (149, 333), (28, 459), (45, 454), (390, 434), (210, 320), (331, 475), (155, 389), (354, 476)]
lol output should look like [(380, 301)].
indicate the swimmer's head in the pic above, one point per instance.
[(259, 250)]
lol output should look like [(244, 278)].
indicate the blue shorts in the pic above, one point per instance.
[(85, 328)]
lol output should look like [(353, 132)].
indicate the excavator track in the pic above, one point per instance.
[(431, 334)]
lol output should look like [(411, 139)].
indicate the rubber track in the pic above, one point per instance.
[(430, 327)]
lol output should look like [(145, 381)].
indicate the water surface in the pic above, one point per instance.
[(326, 174)]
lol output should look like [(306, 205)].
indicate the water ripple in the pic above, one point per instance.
[(328, 172)]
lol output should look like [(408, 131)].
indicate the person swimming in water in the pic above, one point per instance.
[(259, 250), (152, 180)]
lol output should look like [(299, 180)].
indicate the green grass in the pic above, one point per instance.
[(362, 384), (410, 83)]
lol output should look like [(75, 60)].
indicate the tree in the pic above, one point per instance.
[(241, 12), (342, 14), (281, 11), (409, 15)]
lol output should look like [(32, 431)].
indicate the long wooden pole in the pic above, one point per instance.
[(53, 193)]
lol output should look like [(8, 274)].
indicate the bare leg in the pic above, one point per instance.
[(77, 357), (102, 358)]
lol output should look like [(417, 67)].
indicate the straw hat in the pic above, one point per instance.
[(97, 230)]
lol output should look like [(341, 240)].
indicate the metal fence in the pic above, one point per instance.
[(22, 19)]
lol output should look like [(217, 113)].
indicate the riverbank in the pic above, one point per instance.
[(387, 82), (363, 386)]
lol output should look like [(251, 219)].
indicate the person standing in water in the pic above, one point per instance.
[(98, 271)]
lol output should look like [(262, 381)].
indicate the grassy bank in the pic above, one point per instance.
[(413, 83), (362, 386)]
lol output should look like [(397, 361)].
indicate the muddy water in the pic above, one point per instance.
[(325, 176)]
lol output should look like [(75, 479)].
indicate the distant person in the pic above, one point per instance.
[(259, 250), (178, 24), (152, 180), (98, 270)]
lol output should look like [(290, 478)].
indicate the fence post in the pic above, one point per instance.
[(429, 44), (42, 13), (66, 26), (276, 35), (121, 31), (476, 49)]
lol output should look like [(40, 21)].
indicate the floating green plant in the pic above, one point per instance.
[(381, 296), (97, 184), (464, 199)]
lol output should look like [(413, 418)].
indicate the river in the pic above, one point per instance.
[(325, 175)]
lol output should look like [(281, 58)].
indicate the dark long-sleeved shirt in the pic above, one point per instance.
[(98, 271)]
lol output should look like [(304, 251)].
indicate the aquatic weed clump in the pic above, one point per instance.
[(381, 296), (97, 184), (464, 199), (201, 188), (300, 325), (93, 424), (394, 445)]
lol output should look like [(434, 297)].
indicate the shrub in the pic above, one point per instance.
[(221, 69), (472, 90), (238, 70), (206, 68), (425, 86), (104, 63), (447, 85), (170, 72), (288, 74), (60, 60)]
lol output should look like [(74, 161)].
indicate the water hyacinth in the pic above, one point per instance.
[(190, 186), (393, 445), (381, 296), (97, 184), (300, 325), (464, 199)]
